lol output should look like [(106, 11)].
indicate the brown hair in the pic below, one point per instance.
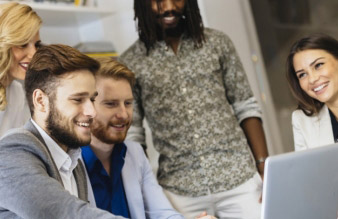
[(111, 68), (306, 103), (49, 64), (18, 25)]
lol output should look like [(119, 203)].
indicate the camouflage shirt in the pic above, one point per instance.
[(194, 102)]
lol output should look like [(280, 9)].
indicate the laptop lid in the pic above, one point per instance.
[(302, 185)]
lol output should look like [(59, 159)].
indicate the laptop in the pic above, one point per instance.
[(302, 185)]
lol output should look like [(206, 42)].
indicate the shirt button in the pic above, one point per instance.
[(166, 48), (196, 136)]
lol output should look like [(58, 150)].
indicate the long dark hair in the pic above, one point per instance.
[(306, 103), (146, 23)]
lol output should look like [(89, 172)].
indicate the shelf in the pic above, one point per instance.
[(63, 15)]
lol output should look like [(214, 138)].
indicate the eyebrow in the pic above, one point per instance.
[(111, 100), (311, 64), (83, 94)]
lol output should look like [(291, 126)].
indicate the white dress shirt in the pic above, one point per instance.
[(65, 162)]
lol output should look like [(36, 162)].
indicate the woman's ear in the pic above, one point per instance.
[(40, 101)]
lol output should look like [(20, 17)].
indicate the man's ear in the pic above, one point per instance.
[(40, 101)]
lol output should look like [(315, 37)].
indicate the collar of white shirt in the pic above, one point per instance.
[(64, 161)]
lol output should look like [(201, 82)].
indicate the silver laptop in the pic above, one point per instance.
[(302, 185)]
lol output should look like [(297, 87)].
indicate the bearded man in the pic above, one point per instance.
[(120, 174), (41, 173)]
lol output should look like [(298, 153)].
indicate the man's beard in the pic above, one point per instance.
[(61, 132), (101, 132), (172, 31)]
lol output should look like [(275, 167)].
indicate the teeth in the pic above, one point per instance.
[(319, 87), (169, 18), (119, 126), (83, 124), (24, 65)]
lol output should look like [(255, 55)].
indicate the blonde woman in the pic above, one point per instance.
[(19, 39)]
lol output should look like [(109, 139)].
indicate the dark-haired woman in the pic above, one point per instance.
[(312, 73)]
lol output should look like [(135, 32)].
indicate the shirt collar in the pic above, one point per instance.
[(63, 161), (90, 158)]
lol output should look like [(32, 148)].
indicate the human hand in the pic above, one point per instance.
[(261, 197), (204, 215)]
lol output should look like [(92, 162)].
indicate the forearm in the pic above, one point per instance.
[(253, 130)]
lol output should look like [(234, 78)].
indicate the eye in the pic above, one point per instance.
[(318, 65), (110, 104), (77, 100), (128, 103), (301, 75), (23, 46)]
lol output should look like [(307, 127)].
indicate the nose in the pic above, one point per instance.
[(122, 112), (168, 5), (313, 77), (89, 109)]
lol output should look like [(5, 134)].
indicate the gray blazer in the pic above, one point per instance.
[(30, 184)]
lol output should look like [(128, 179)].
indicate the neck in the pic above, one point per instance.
[(173, 43), (103, 152)]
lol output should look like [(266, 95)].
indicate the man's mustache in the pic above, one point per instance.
[(168, 13)]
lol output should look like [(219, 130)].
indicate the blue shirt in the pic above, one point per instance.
[(108, 190)]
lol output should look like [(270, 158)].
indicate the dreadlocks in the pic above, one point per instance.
[(146, 22)]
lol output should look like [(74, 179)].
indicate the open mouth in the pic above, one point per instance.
[(24, 65), (169, 19), (83, 124), (320, 87), (119, 126)]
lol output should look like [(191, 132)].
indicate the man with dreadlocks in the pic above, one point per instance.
[(192, 89)]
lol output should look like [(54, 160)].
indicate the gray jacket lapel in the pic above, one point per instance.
[(32, 129), (79, 171), (81, 181)]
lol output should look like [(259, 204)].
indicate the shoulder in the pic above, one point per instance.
[(213, 34), (21, 139), (134, 147), (134, 57), (299, 116), (218, 41), (136, 49), (16, 92), (16, 85)]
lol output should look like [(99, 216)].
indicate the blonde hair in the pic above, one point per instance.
[(111, 68), (18, 25)]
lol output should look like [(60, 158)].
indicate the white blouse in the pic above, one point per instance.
[(16, 113)]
